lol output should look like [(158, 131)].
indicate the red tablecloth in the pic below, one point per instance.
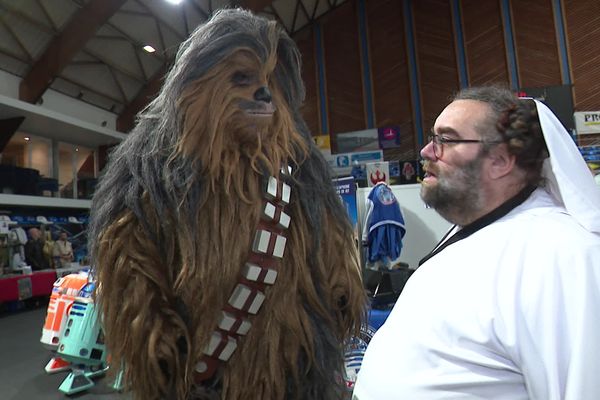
[(40, 283)]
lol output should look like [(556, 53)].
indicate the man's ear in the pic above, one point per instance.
[(501, 162)]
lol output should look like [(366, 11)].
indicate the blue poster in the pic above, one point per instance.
[(346, 189)]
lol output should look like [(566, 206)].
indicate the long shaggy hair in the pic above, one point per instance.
[(175, 212)]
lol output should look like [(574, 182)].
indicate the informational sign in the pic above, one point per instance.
[(587, 122), (342, 164), (356, 141), (24, 287), (346, 189), (322, 142), (389, 137), (378, 172)]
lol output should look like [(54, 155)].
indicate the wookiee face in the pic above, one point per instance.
[(254, 97), (236, 113)]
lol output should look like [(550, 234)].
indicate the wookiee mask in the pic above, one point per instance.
[(175, 216)]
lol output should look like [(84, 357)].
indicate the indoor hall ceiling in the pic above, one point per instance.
[(92, 50)]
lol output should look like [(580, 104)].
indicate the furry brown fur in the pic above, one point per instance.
[(174, 217)]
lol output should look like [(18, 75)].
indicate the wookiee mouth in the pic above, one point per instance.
[(266, 111)]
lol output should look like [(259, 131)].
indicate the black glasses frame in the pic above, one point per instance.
[(439, 142)]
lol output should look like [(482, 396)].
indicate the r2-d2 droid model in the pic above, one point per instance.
[(64, 291), (82, 343)]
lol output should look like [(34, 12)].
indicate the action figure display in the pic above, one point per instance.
[(224, 258)]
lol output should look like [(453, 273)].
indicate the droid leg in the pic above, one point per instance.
[(76, 382), (118, 383), (57, 364)]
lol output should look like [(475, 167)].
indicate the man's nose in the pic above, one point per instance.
[(427, 152)]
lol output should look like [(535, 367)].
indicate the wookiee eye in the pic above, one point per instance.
[(242, 78)]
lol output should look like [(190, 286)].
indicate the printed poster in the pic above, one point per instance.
[(587, 122), (389, 137), (364, 140), (342, 163), (346, 189), (378, 172)]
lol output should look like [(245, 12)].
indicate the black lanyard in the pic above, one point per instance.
[(482, 222)]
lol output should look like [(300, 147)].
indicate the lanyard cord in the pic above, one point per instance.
[(480, 223)]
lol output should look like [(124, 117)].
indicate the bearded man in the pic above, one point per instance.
[(225, 261), (506, 305)]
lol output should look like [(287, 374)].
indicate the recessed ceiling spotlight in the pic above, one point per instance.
[(26, 138), (174, 1), (76, 149), (149, 48)]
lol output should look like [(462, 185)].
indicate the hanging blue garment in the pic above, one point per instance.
[(385, 225)]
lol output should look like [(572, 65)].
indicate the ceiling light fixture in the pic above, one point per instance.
[(149, 48), (174, 1), (27, 138)]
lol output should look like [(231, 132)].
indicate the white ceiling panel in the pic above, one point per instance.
[(129, 86), (9, 42), (117, 54), (95, 77), (13, 65), (322, 8), (110, 70), (59, 11)]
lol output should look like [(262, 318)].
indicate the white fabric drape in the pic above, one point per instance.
[(568, 177)]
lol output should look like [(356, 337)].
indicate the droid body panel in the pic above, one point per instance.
[(82, 341), (64, 291)]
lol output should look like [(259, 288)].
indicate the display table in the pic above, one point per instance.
[(72, 268), (20, 287)]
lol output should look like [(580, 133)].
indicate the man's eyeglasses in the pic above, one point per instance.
[(439, 142)]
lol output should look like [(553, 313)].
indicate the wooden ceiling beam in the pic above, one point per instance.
[(81, 28)]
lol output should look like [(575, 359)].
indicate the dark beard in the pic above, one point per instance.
[(456, 197)]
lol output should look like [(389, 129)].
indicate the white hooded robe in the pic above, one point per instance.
[(510, 312)]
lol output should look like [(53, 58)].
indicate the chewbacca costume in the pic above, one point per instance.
[(197, 301)]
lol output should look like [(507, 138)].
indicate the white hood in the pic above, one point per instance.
[(568, 178)]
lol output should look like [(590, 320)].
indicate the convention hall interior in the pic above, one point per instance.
[(74, 74)]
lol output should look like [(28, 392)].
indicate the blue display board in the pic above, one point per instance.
[(346, 189)]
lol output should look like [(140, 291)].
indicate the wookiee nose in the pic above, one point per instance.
[(263, 94)]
